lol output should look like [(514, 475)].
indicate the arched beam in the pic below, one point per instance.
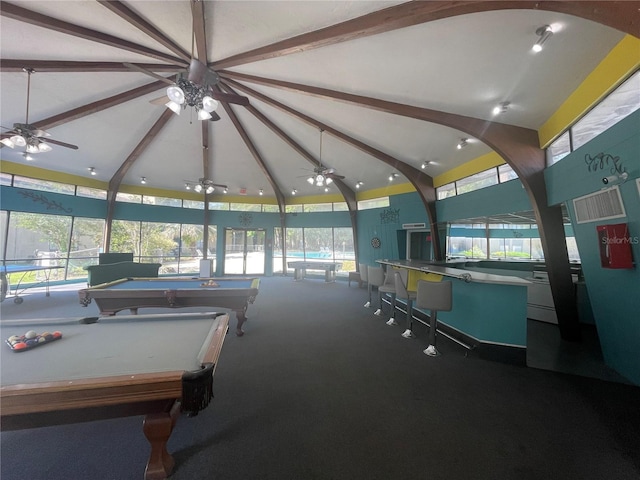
[(116, 180), (422, 182), (621, 15), (348, 194), (517, 146)]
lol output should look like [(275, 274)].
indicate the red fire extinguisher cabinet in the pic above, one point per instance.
[(615, 246)]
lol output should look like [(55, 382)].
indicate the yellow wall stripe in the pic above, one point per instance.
[(623, 59), (484, 162)]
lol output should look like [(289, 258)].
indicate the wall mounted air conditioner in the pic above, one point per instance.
[(408, 226)]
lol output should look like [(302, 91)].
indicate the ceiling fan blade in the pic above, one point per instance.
[(333, 175), (201, 75), (62, 144), (133, 66), (230, 98)]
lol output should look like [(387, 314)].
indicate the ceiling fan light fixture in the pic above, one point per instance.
[(43, 147), (187, 186), (209, 189), (32, 148), (175, 94), (328, 180), (209, 104), (311, 180), (203, 115), (7, 142), (173, 106), (198, 188), (19, 140)]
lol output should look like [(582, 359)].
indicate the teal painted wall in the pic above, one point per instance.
[(614, 294), (508, 197), (384, 223)]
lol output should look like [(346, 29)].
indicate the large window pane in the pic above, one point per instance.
[(86, 244), (343, 248), (318, 243), (128, 197), (170, 202), (318, 207), (190, 248), (158, 243), (125, 237)]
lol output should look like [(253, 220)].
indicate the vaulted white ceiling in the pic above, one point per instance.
[(463, 64)]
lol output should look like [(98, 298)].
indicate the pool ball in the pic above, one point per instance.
[(31, 342), (57, 334), (13, 339), (30, 334), (20, 346)]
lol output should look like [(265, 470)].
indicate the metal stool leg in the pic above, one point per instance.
[(431, 349), (408, 333)]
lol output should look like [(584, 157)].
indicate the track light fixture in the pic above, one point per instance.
[(543, 33), (92, 171), (294, 191), (143, 180), (393, 176), (463, 143), (359, 184)]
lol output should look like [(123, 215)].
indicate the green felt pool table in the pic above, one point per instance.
[(103, 368), (174, 292)]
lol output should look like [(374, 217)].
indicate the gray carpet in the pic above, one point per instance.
[(320, 388)]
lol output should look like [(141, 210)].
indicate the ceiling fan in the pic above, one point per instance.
[(323, 176), (193, 88), (29, 136), (204, 184)]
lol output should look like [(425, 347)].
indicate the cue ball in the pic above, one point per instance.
[(30, 334)]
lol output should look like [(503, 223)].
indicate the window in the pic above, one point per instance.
[(170, 202), (619, 104), (559, 149), (86, 243), (128, 197), (5, 179), (271, 208), (477, 181), (381, 202), (293, 209), (193, 204), (91, 192), (43, 185), (506, 173), (318, 207), (446, 191)]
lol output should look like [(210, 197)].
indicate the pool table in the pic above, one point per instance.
[(174, 292), (104, 368)]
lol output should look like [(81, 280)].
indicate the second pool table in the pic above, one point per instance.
[(174, 292)]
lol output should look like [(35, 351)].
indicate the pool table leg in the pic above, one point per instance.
[(240, 315), (157, 428)]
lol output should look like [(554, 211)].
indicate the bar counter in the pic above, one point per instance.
[(488, 308)]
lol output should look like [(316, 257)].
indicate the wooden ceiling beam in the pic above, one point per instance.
[(199, 30), (141, 24), (422, 182), (62, 66), (621, 15), (97, 106), (347, 192), (116, 180), (256, 154), (28, 16)]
